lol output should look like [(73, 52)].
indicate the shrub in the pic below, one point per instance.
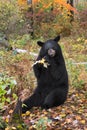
[(7, 85), (80, 24), (11, 19), (76, 75)]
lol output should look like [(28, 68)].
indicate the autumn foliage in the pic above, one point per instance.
[(22, 2), (47, 4), (45, 16)]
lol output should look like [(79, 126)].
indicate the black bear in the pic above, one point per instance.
[(52, 77)]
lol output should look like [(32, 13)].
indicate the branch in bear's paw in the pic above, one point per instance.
[(42, 61)]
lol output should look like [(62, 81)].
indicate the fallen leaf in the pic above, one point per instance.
[(83, 122), (27, 113), (11, 111)]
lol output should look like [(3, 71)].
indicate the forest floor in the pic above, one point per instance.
[(72, 114)]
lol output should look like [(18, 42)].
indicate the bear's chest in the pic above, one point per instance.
[(46, 74), (46, 78)]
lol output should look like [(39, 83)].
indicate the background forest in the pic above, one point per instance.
[(22, 24)]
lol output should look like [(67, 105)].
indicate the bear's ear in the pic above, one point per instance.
[(40, 43), (57, 39)]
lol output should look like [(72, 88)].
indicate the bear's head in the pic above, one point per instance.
[(50, 48)]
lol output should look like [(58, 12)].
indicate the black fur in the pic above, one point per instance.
[(52, 82)]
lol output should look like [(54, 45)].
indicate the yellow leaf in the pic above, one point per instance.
[(45, 113), (80, 111), (13, 128), (83, 122), (7, 128), (22, 2), (42, 61), (63, 115), (7, 120), (23, 115), (27, 113)]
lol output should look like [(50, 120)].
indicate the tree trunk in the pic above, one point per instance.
[(31, 9), (71, 2)]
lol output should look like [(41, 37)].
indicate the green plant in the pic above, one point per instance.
[(2, 124), (7, 85), (23, 40), (74, 75), (42, 123), (81, 5)]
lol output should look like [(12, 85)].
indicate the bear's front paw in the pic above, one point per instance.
[(37, 64), (42, 63)]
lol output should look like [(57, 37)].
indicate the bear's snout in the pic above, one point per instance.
[(51, 52)]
